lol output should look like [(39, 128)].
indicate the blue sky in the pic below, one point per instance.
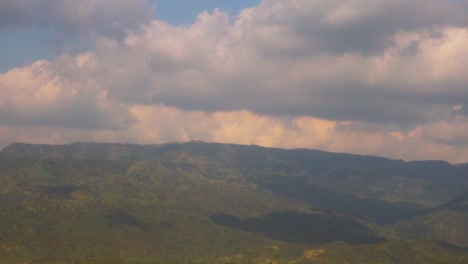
[(182, 12), (22, 47), (373, 77)]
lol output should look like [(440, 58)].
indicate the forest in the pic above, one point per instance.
[(198, 202)]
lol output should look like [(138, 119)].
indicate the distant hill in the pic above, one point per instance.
[(225, 203), (424, 183)]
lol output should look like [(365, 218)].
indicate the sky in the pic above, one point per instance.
[(372, 77)]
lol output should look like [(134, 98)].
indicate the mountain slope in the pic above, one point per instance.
[(427, 183), (225, 203)]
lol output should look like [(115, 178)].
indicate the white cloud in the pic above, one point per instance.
[(222, 66), (40, 95)]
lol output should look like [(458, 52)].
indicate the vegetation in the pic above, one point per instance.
[(217, 203)]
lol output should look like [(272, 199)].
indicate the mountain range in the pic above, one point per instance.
[(198, 202)]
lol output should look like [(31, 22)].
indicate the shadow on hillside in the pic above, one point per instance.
[(379, 211), (451, 246), (121, 217), (457, 204), (62, 190), (295, 227)]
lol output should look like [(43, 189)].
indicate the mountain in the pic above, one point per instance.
[(225, 203)]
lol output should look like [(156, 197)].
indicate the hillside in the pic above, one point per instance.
[(224, 203)]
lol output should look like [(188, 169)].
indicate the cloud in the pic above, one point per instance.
[(158, 124), (39, 95), (355, 26), (110, 18), (264, 64), (448, 133), (362, 76)]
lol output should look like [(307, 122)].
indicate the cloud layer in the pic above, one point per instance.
[(361, 76), (111, 18)]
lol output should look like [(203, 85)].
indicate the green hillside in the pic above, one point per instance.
[(219, 203)]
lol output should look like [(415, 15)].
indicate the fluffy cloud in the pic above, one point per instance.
[(352, 26), (39, 95), (223, 67), (370, 77)]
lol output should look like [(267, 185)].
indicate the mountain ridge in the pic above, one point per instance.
[(17, 146)]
